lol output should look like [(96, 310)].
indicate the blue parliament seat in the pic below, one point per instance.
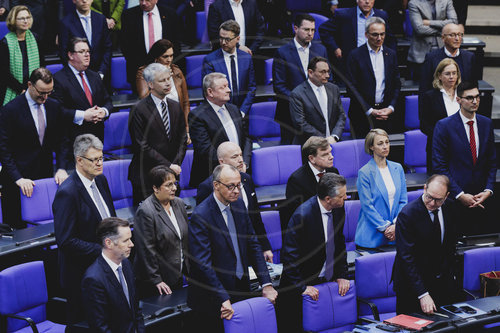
[(116, 135), (349, 156), (119, 76), (273, 165), (352, 208), (116, 173), (38, 208), (253, 315), (477, 261), (193, 70), (186, 166), (412, 121), (320, 19), (54, 68), (415, 157), (262, 126), (271, 221)]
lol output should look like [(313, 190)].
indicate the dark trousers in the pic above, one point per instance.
[(11, 205), (74, 308)]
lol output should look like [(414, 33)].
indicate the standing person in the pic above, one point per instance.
[(112, 11), (80, 203)]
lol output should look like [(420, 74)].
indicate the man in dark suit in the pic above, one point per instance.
[(86, 23), (463, 148), (248, 16), (425, 243), (235, 64), (345, 31), (81, 92), (290, 69), (108, 286), (314, 250), (212, 123), (230, 153), (373, 70), (32, 127), (80, 203), (158, 132), (315, 105), (141, 22), (452, 36), (222, 245)]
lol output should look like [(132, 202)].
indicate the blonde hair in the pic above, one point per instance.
[(436, 83), (370, 138), (12, 16)]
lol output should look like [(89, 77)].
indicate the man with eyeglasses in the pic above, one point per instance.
[(452, 36), (425, 245), (80, 203), (373, 70), (463, 148), (32, 128), (222, 245)]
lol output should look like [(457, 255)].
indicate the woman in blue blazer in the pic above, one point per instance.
[(382, 193)]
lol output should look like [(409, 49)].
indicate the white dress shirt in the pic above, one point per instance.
[(156, 24), (227, 60), (34, 111), (389, 185), (229, 127), (361, 22), (320, 93), (315, 171), (449, 55), (467, 129), (451, 105), (239, 16), (173, 219), (114, 268), (303, 54), (87, 183), (377, 60), (157, 102)]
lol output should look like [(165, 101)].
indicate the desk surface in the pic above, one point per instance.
[(28, 238)]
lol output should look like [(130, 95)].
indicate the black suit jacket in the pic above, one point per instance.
[(101, 47), (220, 11), (419, 259), (213, 260), (104, 301), (132, 37), (75, 223), (207, 133), (206, 188), (70, 93), (304, 250), (150, 144)]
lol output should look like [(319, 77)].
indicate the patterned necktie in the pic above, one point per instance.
[(330, 248), (472, 141), (151, 30), (98, 201), (165, 117), (122, 282), (86, 89), (88, 28), (234, 239), (437, 225), (41, 123)]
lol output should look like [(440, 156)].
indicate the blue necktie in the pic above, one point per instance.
[(122, 282), (88, 29), (234, 239)]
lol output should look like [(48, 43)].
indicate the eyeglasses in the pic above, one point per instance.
[(26, 18), (42, 93), (376, 35), (231, 187), (96, 160), (226, 39), (454, 35), (171, 185), (429, 198), (82, 52), (471, 98)]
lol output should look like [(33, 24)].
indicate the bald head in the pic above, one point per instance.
[(452, 35), (230, 153)]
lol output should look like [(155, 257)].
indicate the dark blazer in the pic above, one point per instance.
[(466, 62), (305, 239), (213, 262), (101, 47), (132, 37), (419, 258), (220, 11), (307, 116), (214, 62), (451, 155), (288, 74), (360, 73), (150, 144), (70, 93), (206, 188), (106, 306), (75, 222), (207, 134), (158, 245)]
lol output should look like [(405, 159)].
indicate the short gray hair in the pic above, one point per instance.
[(330, 185), (209, 79), (373, 20), (218, 171), (152, 70), (84, 142)]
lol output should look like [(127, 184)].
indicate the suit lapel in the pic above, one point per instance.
[(236, 119), (164, 216), (220, 224), (30, 122), (157, 120), (86, 197), (367, 63), (397, 184), (317, 221), (379, 181), (329, 96), (311, 181), (296, 59), (228, 10), (482, 134), (104, 193), (77, 88), (462, 136), (114, 281), (312, 97)]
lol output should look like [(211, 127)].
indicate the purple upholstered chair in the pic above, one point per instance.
[(373, 283), (54, 68), (268, 71), (116, 173), (186, 166), (271, 220), (415, 155), (331, 313), (349, 156), (320, 19), (346, 102), (412, 121), (193, 70), (261, 122), (273, 165), (119, 76), (254, 315), (38, 209), (116, 135), (412, 195), (352, 208), (479, 261), (23, 296)]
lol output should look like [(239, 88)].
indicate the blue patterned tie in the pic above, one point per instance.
[(234, 239)]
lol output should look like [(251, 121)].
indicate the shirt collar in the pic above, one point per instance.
[(321, 208), (111, 263), (227, 54), (314, 170), (74, 70), (444, 92), (449, 55), (155, 11), (30, 100), (298, 46), (359, 13), (158, 101), (86, 182), (221, 206), (372, 50), (215, 106), (465, 120), (81, 15)]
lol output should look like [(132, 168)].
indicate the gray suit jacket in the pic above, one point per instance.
[(306, 114), (420, 10), (158, 246)]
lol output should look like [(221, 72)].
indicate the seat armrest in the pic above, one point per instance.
[(372, 306), (28, 319)]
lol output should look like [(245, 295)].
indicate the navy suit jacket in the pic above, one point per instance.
[(213, 260), (451, 155), (104, 301), (288, 74), (304, 249), (101, 47), (70, 93), (207, 133), (220, 11), (75, 222), (214, 62)]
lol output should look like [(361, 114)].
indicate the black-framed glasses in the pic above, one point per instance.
[(454, 35), (96, 160), (43, 93), (226, 39), (376, 35), (471, 98), (438, 201), (171, 185), (231, 187)]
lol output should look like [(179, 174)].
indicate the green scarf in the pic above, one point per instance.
[(16, 60)]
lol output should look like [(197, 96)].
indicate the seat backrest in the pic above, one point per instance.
[(268, 71), (54, 68), (412, 121), (373, 282), (479, 261), (201, 25), (330, 311), (186, 166), (119, 75), (352, 208), (349, 156), (412, 195), (254, 315), (193, 70), (304, 6), (271, 221), (116, 173), (320, 19), (38, 208), (273, 165), (346, 102), (415, 155), (3, 29), (407, 27), (116, 135), (23, 291), (261, 121)]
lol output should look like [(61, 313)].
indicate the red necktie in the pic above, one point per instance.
[(151, 30), (320, 174), (472, 141), (88, 94)]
